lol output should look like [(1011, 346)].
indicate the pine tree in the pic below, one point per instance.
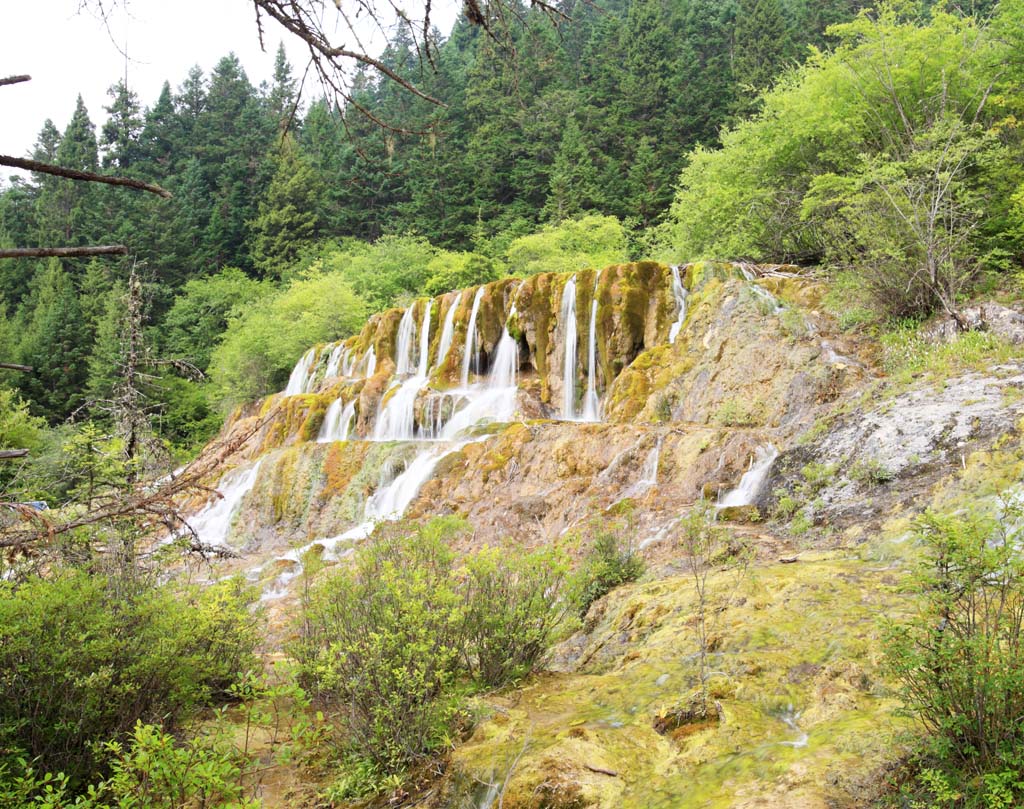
[(120, 135), (281, 100), (762, 45), (573, 188), (288, 215), (55, 343)]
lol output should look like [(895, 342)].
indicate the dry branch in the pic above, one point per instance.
[(14, 80), (63, 252), (87, 176), (6, 454), (10, 366)]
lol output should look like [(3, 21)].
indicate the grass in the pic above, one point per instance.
[(907, 353)]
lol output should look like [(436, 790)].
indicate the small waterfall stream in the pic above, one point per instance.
[(591, 402), (213, 522), (406, 343), (568, 320), (745, 494), (300, 376), (680, 294), (470, 352), (448, 331), (337, 422)]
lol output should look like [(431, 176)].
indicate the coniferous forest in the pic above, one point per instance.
[(859, 165)]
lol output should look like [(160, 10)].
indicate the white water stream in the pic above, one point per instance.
[(470, 352), (745, 494), (213, 522), (591, 402), (300, 376), (448, 331), (568, 321), (680, 294)]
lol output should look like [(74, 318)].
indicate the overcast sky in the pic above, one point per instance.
[(68, 53)]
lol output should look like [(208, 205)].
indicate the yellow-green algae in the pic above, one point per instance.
[(797, 638)]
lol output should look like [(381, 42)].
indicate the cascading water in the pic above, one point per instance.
[(745, 494), (568, 319), (397, 419), (448, 331), (348, 361), (337, 421), (424, 358), (371, 362), (211, 524), (406, 343), (680, 294), (334, 361), (591, 402), (470, 351), (300, 377)]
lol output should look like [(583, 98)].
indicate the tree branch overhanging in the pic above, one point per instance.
[(87, 176), (64, 252), (14, 80)]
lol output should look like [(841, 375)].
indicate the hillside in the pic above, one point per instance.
[(732, 385)]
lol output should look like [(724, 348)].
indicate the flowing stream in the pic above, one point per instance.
[(568, 320), (745, 494)]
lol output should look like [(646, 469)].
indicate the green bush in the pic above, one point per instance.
[(592, 241), (610, 562), (84, 657), (511, 611), (959, 659), (396, 638)]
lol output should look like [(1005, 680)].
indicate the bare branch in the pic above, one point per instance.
[(14, 80), (10, 366), (88, 176), (6, 454), (63, 252)]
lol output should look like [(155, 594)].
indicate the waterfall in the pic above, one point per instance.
[(467, 357), (680, 294), (406, 342), (337, 421), (648, 474), (750, 484), (334, 361), (424, 358), (397, 419), (591, 402), (371, 362), (568, 316), (448, 331), (348, 361), (300, 377), (212, 523)]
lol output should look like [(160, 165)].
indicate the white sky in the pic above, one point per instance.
[(68, 53)]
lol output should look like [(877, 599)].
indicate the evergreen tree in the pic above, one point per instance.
[(288, 215), (55, 343), (761, 48), (120, 135), (574, 188), (281, 100), (67, 212)]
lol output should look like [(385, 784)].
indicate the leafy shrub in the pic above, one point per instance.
[(960, 658), (610, 562), (265, 338), (511, 611), (84, 657), (398, 636), (592, 241)]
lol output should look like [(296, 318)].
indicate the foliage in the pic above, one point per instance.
[(705, 545), (610, 562), (398, 636), (959, 657), (83, 657), (575, 244), (265, 338), (19, 429), (888, 156)]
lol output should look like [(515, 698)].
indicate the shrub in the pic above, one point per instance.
[(610, 562), (960, 658), (512, 609), (592, 241), (82, 660), (397, 637)]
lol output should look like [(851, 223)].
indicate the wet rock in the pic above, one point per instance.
[(739, 514)]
